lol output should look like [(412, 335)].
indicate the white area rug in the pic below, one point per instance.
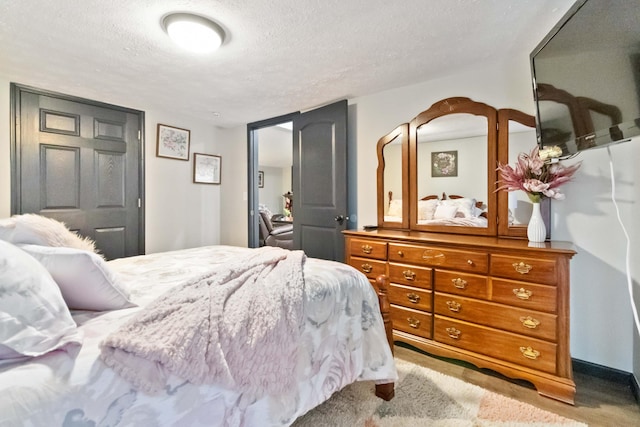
[(427, 398)]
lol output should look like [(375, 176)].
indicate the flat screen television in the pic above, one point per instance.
[(586, 77)]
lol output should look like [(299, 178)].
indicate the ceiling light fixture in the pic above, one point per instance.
[(193, 32)]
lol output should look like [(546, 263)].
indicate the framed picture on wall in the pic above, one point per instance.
[(206, 168), (444, 163), (173, 142), (260, 179)]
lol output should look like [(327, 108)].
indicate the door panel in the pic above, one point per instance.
[(79, 162), (320, 181)]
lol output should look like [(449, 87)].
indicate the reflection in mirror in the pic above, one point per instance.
[(393, 178), (521, 140), (452, 156), (517, 135)]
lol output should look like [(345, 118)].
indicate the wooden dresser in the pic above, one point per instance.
[(494, 302)]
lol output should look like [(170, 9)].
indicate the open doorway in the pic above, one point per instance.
[(271, 182), (320, 180), (275, 184)]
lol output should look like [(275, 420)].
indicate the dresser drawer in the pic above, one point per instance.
[(410, 275), (474, 262), (513, 319), (525, 351), (527, 295), (528, 269), (411, 321), (461, 284), (407, 296), (369, 267), (368, 248)]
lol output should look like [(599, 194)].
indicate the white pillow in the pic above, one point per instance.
[(427, 208), (444, 211), (40, 230), (466, 206), (34, 318), (84, 278), (395, 208)]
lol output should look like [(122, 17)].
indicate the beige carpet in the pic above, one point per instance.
[(427, 398)]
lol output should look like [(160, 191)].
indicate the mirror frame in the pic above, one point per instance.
[(505, 116), (456, 105), (401, 131)]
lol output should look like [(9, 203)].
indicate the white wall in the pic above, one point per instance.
[(179, 213), (234, 226), (271, 194)]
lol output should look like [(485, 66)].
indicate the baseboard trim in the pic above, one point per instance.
[(610, 374), (635, 389)]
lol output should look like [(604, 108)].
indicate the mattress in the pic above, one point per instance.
[(343, 340)]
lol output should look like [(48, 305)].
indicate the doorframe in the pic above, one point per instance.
[(15, 91), (252, 171)]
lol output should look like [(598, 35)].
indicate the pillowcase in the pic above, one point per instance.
[(395, 208), (444, 211), (34, 318), (40, 230), (84, 278), (427, 208), (465, 206)]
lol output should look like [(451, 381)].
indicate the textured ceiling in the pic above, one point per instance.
[(279, 56)]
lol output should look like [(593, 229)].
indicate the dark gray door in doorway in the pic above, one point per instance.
[(80, 162), (320, 181)]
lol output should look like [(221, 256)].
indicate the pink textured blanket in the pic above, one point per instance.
[(238, 326)]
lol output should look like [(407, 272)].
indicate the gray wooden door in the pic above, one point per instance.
[(320, 181), (79, 162)]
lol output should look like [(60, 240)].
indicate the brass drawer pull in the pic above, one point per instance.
[(453, 333), (459, 283), (529, 322), (409, 275), (521, 267), (469, 262), (529, 353), (454, 306), (367, 268), (413, 322), (367, 249), (400, 253), (522, 293), (414, 298)]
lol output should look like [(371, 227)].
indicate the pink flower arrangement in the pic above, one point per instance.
[(537, 174)]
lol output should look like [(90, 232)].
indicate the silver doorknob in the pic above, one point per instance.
[(340, 219)]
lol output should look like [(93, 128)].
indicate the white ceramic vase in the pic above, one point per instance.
[(536, 230)]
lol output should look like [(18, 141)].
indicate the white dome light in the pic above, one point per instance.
[(193, 33)]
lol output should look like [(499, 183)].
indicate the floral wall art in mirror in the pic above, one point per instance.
[(444, 163), (206, 168), (173, 142)]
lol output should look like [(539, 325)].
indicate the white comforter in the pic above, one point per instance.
[(343, 341)]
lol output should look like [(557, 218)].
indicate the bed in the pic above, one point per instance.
[(442, 209), (343, 339)]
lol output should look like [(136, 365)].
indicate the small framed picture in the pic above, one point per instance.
[(444, 163), (206, 168), (173, 142), (260, 179)]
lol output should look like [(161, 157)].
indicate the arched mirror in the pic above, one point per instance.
[(516, 134), (393, 178), (453, 154)]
